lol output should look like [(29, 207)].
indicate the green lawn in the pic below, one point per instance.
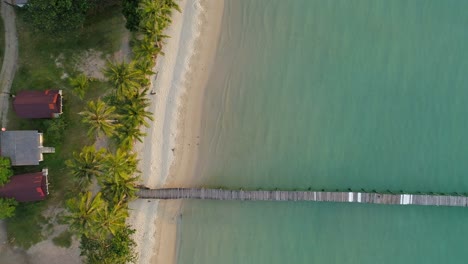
[(38, 71)]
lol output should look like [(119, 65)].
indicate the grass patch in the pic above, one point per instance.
[(63, 240), (25, 228), (43, 60)]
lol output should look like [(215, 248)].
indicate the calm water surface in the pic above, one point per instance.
[(334, 95)]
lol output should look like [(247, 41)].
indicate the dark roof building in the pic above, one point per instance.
[(23, 147), (38, 104), (28, 187)]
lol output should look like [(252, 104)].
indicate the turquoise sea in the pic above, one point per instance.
[(332, 95)]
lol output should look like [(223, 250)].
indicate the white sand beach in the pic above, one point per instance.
[(169, 151)]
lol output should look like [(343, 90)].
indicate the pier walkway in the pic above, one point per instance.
[(339, 197)]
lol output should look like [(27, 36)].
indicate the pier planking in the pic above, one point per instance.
[(341, 197)]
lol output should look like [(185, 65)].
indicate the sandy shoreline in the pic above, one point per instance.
[(169, 151)]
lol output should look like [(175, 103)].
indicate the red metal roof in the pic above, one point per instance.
[(26, 187), (38, 104)]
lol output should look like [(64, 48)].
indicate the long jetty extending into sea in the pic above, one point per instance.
[(321, 196)]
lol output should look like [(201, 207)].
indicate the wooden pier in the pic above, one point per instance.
[(338, 197)]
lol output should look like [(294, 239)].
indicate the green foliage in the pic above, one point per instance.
[(125, 78), (112, 219), (118, 249), (5, 170), (83, 214), (55, 130), (86, 165), (7, 207), (118, 181), (37, 70), (24, 225), (79, 84), (100, 118), (63, 240), (130, 11), (57, 15)]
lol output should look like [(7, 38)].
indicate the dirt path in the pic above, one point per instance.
[(10, 59), (6, 78)]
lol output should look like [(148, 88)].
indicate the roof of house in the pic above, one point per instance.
[(21, 2), (38, 104), (26, 187), (22, 147)]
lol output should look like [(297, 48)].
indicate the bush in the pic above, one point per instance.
[(63, 240), (119, 249), (5, 170), (7, 207), (55, 130)]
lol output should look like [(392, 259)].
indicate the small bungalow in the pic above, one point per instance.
[(28, 187), (20, 3), (23, 147), (38, 104)]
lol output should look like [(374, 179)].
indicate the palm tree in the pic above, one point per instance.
[(127, 135), (154, 11), (136, 114), (100, 117), (83, 213), (145, 48), (119, 186), (125, 77), (86, 164), (145, 66), (113, 218), (80, 85), (122, 163), (119, 178)]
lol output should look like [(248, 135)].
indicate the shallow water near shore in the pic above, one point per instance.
[(334, 95)]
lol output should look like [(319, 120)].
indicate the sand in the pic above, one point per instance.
[(168, 153)]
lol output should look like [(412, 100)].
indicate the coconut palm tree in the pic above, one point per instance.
[(86, 164), (122, 163), (83, 211), (112, 219), (119, 178), (125, 78), (100, 117), (119, 186), (155, 11), (145, 66), (80, 85), (146, 48), (136, 114), (127, 135)]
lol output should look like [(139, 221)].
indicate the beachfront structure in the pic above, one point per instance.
[(38, 104), (23, 147), (312, 196), (28, 187), (20, 3)]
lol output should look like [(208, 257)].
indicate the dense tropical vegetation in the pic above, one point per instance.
[(7, 207), (99, 218), (55, 16), (5, 170), (96, 213)]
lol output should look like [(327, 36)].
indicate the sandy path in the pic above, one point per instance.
[(6, 78), (10, 59), (169, 151)]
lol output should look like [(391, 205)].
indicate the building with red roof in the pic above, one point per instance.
[(28, 187), (38, 104)]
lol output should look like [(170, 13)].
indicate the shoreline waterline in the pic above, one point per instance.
[(168, 153)]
